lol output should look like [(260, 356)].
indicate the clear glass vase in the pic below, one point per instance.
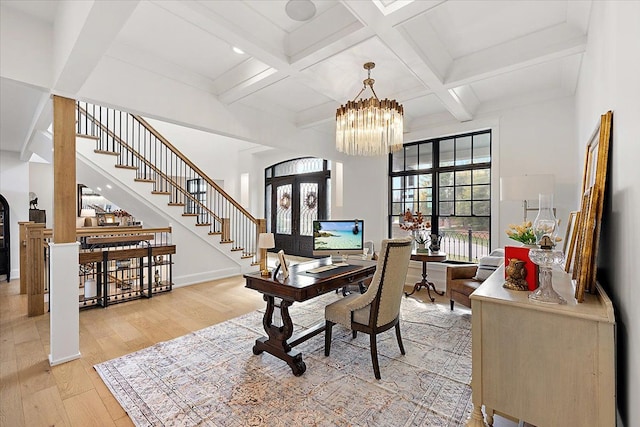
[(546, 259), (545, 223)]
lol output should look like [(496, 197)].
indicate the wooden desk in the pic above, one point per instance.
[(426, 257), (546, 364), (300, 286)]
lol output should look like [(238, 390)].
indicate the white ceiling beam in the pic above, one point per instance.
[(83, 32), (250, 85), (297, 69), (537, 48), (151, 63), (578, 14), (42, 119), (41, 144), (369, 14), (324, 30), (217, 25), (399, 11), (316, 115), (250, 70)]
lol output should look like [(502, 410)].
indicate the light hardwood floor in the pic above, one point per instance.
[(34, 394)]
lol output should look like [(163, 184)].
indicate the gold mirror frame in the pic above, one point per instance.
[(570, 237), (589, 219)]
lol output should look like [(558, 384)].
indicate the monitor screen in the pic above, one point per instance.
[(338, 237)]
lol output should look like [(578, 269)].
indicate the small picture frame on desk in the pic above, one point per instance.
[(282, 266)]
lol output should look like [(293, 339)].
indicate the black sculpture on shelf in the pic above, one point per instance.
[(33, 200)]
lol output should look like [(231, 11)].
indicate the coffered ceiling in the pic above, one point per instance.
[(447, 59)]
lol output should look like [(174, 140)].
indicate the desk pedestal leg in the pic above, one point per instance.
[(276, 342)]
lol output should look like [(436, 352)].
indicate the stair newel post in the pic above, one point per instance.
[(35, 269), (226, 229), (23, 255)]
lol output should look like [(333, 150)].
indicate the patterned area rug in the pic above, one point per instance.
[(211, 377)]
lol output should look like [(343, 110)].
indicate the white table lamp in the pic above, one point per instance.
[(87, 214), (265, 241)]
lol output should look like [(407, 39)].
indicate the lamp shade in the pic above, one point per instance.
[(525, 187), (266, 241), (88, 213)]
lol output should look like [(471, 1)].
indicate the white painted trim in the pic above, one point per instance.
[(192, 279), (64, 359), (64, 316)]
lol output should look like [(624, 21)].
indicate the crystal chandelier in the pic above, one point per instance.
[(369, 127)]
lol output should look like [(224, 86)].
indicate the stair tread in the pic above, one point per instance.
[(189, 214), (144, 180), (237, 249), (211, 233), (127, 167), (175, 204), (161, 192), (111, 153), (203, 224)]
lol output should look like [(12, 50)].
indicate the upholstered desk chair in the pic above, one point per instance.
[(378, 309)]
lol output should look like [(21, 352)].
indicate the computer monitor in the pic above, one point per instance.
[(338, 237)]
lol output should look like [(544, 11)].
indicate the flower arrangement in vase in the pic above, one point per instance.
[(416, 224), (522, 233), (525, 234)]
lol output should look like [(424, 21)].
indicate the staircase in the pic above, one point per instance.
[(153, 160)]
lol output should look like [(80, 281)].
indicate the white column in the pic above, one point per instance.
[(64, 313)]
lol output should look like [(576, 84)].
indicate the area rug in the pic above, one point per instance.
[(211, 377)]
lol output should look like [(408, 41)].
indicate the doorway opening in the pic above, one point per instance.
[(297, 192)]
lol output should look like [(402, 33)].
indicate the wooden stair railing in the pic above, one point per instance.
[(34, 242), (139, 146)]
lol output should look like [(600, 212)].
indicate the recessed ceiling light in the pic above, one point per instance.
[(109, 187), (300, 10), (238, 50), (98, 188)]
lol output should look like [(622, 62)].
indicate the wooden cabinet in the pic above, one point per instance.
[(546, 364), (5, 248)]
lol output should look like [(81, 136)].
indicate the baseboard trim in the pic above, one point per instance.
[(192, 279), (64, 359)]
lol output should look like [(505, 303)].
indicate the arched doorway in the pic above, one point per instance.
[(297, 192), (5, 256)]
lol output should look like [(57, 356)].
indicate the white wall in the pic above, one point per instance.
[(41, 183), (216, 155), (198, 258), (533, 139), (610, 80), (540, 139), (14, 186)]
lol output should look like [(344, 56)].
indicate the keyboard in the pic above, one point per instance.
[(324, 268)]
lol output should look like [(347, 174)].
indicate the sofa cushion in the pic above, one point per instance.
[(487, 265), (497, 252)]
